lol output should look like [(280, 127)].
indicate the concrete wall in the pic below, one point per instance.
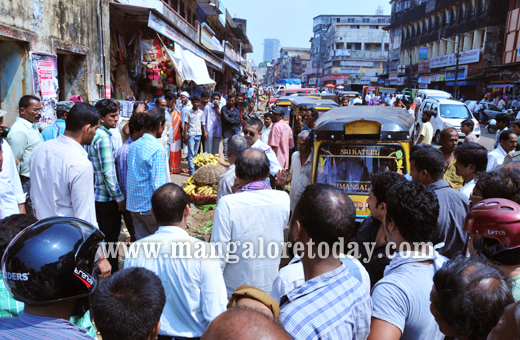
[(65, 27)]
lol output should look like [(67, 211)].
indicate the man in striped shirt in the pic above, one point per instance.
[(147, 171), (332, 303), (136, 125), (110, 200)]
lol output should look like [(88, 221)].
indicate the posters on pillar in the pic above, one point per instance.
[(45, 84)]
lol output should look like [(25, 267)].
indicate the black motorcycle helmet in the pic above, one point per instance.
[(52, 261)]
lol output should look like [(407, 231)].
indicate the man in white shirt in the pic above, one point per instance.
[(472, 160), (62, 177), (253, 131), (301, 168), (12, 197), (357, 100), (508, 140), (476, 109), (191, 276), (268, 125), (255, 216)]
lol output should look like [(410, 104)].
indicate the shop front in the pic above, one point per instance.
[(150, 56)]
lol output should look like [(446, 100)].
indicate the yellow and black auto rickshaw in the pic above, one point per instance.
[(352, 143), (321, 105), (351, 95)]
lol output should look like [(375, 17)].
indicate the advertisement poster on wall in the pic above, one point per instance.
[(45, 84)]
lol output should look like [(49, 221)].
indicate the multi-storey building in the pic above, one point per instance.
[(292, 62), (271, 49), (425, 37), (348, 49)]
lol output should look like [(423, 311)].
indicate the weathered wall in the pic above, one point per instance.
[(55, 26)]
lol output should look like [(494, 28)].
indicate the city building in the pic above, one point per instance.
[(348, 50), (271, 49), (292, 62), (425, 37)]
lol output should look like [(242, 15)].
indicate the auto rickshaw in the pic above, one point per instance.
[(352, 143), (351, 95), (285, 104), (323, 95), (321, 105)]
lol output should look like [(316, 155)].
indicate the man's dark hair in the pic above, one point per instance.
[(313, 112), (136, 104), (195, 99), (252, 165), (170, 95), (136, 122), (326, 213), (501, 183), (504, 135), (468, 122), (216, 93), (168, 204), (25, 101), (244, 95), (237, 144), (255, 122), (472, 153), (429, 158), (80, 115), (204, 94), (128, 305), (231, 95), (154, 119), (414, 208), (106, 106), (502, 117), (516, 123), (12, 225), (382, 182), (471, 296), (303, 108), (268, 114), (242, 106)]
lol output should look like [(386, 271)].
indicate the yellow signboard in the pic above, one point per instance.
[(362, 127), (361, 205)]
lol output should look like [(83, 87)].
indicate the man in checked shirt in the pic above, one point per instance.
[(110, 200)]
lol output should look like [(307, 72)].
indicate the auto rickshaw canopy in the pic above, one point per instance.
[(365, 122)]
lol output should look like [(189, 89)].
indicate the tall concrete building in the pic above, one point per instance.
[(271, 49), (349, 50)]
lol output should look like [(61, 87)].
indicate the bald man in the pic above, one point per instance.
[(244, 323)]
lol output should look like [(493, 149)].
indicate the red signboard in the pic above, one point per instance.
[(423, 68)]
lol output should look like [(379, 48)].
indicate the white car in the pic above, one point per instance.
[(447, 113), (425, 94)]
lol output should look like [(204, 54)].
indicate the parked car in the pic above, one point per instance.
[(289, 92), (447, 113)]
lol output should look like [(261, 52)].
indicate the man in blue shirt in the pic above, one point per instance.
[(58, 127), (332, 303), (147, 171)]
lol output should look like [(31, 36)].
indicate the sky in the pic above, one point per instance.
[(290, 21)]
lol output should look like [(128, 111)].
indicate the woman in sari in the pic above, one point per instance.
[(175, 143)]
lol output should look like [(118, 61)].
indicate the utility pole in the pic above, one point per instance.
[(457, 56)]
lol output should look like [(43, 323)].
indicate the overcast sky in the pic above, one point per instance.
[(290, 21)]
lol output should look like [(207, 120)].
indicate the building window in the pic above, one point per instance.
[(349, 46), (365, 20), (174, 4), (182, 12), (351, 20), (381, 21), (367, 47), (357, 46), (386, 47), (378, 47), (355, 27), (337, 19), (374, 27)]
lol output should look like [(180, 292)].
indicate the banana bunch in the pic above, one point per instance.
[(205, 159), (207, 190), (191, 188)]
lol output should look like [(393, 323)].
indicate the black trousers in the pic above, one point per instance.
[(127, 216), (109, 220), (26, 187)]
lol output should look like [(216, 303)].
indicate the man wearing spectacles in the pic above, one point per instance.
[(23, 138), (253, 131)]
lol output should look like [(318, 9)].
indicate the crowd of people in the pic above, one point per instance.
[(437, 258)]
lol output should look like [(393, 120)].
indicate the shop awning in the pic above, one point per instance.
[(189, 67)]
